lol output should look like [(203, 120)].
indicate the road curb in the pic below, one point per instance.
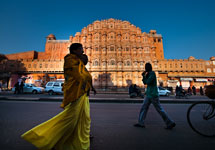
[(99, 100)]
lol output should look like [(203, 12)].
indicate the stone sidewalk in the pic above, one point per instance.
[(99, 98)]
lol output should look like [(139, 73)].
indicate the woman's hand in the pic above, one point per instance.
[(144, 73), (94, 90)]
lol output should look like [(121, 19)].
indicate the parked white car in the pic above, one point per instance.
[(31, 88), (163, 92), (54, 87)]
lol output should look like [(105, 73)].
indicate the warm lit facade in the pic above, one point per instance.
[(117, 52)]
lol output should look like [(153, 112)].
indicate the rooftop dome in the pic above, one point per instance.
[(212, 58), (51, 36), (191, 58)]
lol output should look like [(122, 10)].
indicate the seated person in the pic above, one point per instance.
[(138, 91), (132, 92)]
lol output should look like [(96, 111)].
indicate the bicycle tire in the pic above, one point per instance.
[(196, 117)]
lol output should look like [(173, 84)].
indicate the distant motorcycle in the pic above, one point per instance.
[(182, 94)]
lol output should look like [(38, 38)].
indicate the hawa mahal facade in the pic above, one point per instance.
[(117, 52)]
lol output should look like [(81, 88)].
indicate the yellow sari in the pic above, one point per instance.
[(70, 129)]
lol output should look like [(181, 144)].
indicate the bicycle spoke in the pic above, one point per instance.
[(201, 118)]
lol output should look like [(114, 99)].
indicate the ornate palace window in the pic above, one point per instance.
[(29, 65), (141, 63), (208, 70), (95, 63), (90, 29), (84, 39), (127, 48), (103, 37), (135, 63), (146, 50), (128, 63), (111, 48), (111, 26), (41, 66), (112, 62)]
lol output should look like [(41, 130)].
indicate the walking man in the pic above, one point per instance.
[(149, 78)]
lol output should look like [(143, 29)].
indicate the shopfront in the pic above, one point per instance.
[(200, 82), (186, 82)]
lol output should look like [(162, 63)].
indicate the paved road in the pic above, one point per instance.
[(112, 127)]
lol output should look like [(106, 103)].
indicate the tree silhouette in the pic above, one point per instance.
[(9, 68)]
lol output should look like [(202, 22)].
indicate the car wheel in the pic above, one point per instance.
[(51, 92), (34, 92)]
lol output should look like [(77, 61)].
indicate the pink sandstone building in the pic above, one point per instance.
[(117, 51)]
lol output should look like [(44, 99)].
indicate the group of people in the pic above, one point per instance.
[(180, 91), (70, 129), (134, 91)]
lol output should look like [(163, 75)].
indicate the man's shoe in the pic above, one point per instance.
[(139, 125), (170, 126)]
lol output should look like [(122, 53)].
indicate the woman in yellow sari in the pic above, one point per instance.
[(70, 129)]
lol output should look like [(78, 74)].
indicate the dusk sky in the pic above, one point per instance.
[(187, 26)]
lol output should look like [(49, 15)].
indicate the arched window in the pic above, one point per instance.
[(141, 63), (135, 63), (111, 48), (95, 63), (128, 63), (112, 62)]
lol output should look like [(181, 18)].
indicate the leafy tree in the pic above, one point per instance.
[(3, 57)]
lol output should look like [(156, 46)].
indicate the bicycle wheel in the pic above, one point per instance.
[(201, 118)]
